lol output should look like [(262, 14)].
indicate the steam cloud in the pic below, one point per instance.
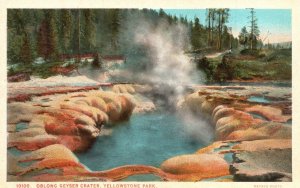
[(159, 49), (171, 67)]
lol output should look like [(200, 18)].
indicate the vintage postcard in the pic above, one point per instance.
[(150, 95)]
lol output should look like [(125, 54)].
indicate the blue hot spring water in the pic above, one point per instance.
[(259, 99), (146, 139)]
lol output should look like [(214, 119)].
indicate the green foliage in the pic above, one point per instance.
[(89, 29), (253, 52), (207, 66), (251, 39), (254, 30), (162, 13), (243, 37), (47, 33), (26, 52), (53, 34), (268, 65), (47, 39), (18, 39), (263, 65), (45, 70), (219, 36), (16, 21), (198, 35), (226, 70), (15, 42), (222, 15), (114, 28), (96, 62), (66, 29)]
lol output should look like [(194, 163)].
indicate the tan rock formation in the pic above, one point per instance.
[(197, 165)]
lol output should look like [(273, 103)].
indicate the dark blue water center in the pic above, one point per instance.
[(147, 139)]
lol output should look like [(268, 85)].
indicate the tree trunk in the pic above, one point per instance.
[(209, 28), (219, 31), (212, 32), (78, 43), (252, 32)]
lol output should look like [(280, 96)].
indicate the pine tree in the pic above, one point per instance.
[(186, 21), (226, 39), (213, 19), (76, 33), (53, 35), (14, 45), (162, 13), (89, 31), (181, 20), (15, 19), (47, 37), (76, 29), (15, 32), (114, 26), (42, 40), (210, 18), (243, 37), (26, 52), (196, 34), (223, 15), (66, 29), (175, 19), (254, 31)]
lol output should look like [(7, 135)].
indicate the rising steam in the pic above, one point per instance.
[(169, 65), (156, 55), (172, 68)]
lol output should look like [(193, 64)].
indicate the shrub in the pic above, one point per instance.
[(253, 52), (226, 70), (207, 66)]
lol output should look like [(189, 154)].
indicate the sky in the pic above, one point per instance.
[(276, 22)]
